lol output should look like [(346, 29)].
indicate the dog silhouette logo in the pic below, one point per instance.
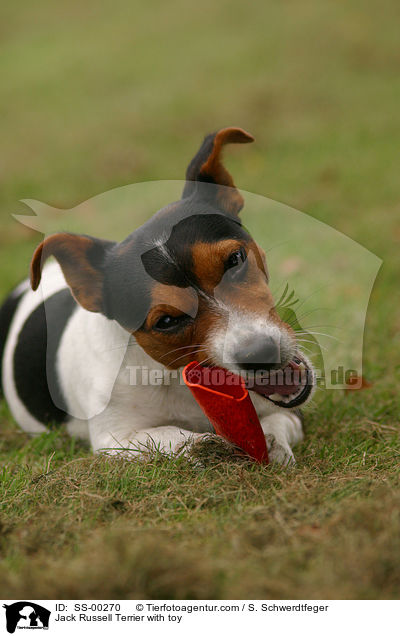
[(26, 615)]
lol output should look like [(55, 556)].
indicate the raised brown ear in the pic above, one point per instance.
[(207, 167), (81, 259)]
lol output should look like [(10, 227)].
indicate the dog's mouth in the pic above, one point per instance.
[(288, 387)]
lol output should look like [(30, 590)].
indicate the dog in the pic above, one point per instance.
[(191, 283)]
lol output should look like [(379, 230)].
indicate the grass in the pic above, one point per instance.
[(100, 528), (96, 97)]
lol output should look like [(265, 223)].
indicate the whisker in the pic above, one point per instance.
[(310, 354), (198, 344), (311, 311), (317, 333), (206, 360), (312, 294), (185, 354), (324, 325), (304, 350), (317, 344)]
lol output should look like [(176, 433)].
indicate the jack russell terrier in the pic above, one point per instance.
[(191, 283)]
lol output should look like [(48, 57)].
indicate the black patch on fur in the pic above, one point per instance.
[(194, 167), (97, 252), (7, 311), (131, 272), (35, 357), (163, 269), (172, 264)]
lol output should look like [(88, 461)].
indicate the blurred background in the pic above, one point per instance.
[(96, 96)]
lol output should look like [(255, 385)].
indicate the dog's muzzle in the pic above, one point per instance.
[(287, 387)]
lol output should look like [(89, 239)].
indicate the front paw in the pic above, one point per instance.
[(279, 453)]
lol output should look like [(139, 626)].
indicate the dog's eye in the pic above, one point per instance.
[(170, 323), (236, 258)]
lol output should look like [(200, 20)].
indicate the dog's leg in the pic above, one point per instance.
[(282, 431), (132, 441)]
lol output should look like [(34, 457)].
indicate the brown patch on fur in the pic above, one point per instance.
[(252, 293), (209, 261), (173, 301), (230, 199), (125, 246), (168, 299), (261, 259), (213, 166), (174, 350), (71, 250)]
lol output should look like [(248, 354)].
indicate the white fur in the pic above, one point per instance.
[(94, 363), (242, 326)]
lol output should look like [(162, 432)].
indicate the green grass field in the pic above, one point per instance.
[(94, 97)]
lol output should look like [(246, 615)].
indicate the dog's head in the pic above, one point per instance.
[(191, 283)]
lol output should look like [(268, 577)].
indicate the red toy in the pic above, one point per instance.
[(224, 399)]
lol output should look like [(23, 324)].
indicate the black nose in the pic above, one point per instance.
[(255, 355)]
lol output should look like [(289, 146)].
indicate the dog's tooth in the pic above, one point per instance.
[(276, 397)]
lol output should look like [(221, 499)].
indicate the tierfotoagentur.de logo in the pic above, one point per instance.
[(26, 615)]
